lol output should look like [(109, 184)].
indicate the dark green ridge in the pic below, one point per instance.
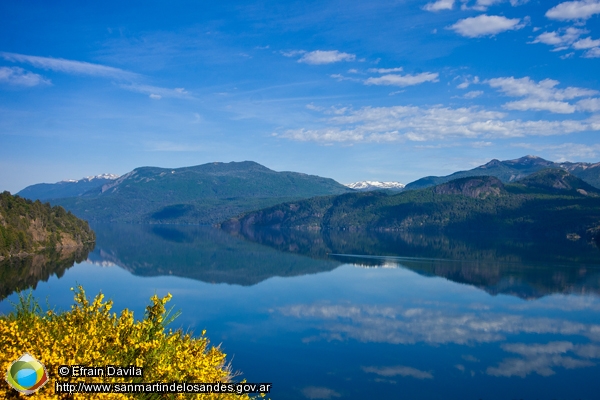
[(203, 194), (551, 201), (513, 170)]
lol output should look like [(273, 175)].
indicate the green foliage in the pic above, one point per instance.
[(533, 205), (29, 226), (510, 170), (203, 194)]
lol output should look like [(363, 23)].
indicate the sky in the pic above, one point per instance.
[(389, 90)]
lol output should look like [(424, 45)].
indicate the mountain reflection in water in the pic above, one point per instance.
[(196, 252), (328, 315), (526, 266)]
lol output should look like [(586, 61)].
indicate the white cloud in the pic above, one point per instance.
[(403, 80), (341, 77), (325, 57), (69, 66), (468, 81), (542, 95), (292, 53), (399, 370), (483, 5), (593, 53), (570, 38), (555, 38), (156, 92), (473, 94), (558, 107), (410, 123), (565, 151), (439, 5), (19, 77), (586, 43), (592, 105), (385, 70), (485, 25), (572, 10)]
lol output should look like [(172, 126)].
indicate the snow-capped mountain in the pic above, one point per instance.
[(67, 188), (91, 178), (375, 185)]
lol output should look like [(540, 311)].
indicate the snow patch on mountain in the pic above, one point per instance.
[(91, 178), (375, 185)]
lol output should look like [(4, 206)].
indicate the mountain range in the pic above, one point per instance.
[(203, 194), (512, 170), (548, 202), (215, 192), (66, 188)]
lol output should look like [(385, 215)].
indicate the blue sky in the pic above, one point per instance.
[(352, 90)]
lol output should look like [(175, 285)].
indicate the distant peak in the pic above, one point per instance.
[(375, 185), (93, 177), (102, 176), (530, 158)]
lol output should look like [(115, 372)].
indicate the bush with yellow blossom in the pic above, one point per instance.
[(89, 334)]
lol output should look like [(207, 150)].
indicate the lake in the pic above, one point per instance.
[(349, 315)]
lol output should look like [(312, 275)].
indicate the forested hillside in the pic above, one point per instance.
[(548, 202), (30, 226)]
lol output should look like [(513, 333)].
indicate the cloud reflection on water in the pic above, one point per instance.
[(398, 325), (542, 358)]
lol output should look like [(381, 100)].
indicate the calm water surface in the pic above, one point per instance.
[(404, 316)]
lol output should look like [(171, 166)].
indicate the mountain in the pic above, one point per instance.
[(375, 185), (551, 202), (28, 227), (67, 188), (555, 181), (513, 170), (203, 194)]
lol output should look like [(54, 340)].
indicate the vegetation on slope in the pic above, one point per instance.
[(512, 170), (552, 202), (30, 226), (203, 194), (89, 334)]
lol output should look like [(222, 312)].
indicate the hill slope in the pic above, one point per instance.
[(513, 170), (28, 227), (72, 188), (542, 203), (202, 194)]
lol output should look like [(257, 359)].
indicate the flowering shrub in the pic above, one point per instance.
[(89, 334)]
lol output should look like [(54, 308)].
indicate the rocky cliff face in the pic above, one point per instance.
[(478, 187)]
